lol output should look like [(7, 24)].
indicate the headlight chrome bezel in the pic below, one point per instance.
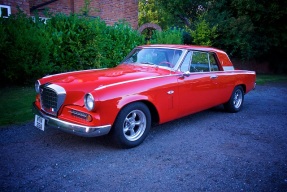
[(89, 102)]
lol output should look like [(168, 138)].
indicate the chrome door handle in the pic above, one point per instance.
[(213, 77)]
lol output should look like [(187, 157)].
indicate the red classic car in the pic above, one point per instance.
[(153, 84)]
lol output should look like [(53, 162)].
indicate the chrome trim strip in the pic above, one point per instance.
[(180, 60), (72, 128), (134, 80), (57, 88), (37, 86)]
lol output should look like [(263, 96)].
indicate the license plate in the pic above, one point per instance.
[(39, 122)]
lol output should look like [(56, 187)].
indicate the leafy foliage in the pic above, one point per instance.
[(171, 36), (24, 49), (203, 33), (64, 43), (152, 12), (246, 29), (77, 42), (183, 12), (121, 39), (252, 29)]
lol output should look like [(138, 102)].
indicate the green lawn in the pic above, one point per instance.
[(16, 102), (263, 79)]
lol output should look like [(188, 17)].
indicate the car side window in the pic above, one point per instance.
[(186, 62), (199, 62), (213, 62)]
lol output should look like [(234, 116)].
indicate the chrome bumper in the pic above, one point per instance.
[(73, 128)]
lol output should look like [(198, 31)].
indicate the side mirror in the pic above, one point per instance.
[(186, 74)]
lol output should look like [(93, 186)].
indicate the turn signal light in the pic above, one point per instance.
[(81, 115)]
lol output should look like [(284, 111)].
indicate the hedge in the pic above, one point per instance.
[(30, 48)]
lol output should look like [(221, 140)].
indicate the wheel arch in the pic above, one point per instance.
[(243, 87), (152, 108), (153, 111)]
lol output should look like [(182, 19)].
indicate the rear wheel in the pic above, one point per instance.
[(236, 100), (132, 125)]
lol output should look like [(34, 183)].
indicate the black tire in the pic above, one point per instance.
[(236, 100), (132, 125)]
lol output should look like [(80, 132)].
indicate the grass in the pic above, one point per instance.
[(16, 102), (263, 79)]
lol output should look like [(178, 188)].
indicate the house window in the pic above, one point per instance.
[(43, 19), (5, 11)]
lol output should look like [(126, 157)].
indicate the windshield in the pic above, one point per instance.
[(154, 56)]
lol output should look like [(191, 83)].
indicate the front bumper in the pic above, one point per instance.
[(72, 128)]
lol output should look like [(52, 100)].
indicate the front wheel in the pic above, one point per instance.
[(132, 125), (236, 100)]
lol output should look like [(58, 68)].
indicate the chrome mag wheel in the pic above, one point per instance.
[(134, 125)]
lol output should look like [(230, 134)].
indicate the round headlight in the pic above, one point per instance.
[(89, 102), (37, 86)]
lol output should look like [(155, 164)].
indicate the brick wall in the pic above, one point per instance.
[(63, 6), (109, 10), (114, 10), (22, 4), (253, 65)]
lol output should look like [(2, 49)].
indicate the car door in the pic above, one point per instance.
[(197, 89), (224, 81)]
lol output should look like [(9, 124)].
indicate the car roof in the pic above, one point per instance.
[(189, 47), (225, 61)]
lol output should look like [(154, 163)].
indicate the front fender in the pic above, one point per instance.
[(156, 91), (132, 98)]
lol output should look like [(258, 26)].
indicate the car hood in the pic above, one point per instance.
[(77, 84)]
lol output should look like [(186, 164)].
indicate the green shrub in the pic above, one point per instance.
[(83, 43), (171, 36), (24, 50), (203, 33), (30, 49), (121, 40), (77, 42)]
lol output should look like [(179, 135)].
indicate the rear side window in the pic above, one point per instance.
[(197, 61), (213, 62)]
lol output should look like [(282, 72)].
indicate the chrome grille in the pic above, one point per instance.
[(49, 98), (52, 97)]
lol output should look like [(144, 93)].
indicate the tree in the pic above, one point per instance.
[(251, 29), (150, 11), (245, 28), (183, 12), (202, 33)]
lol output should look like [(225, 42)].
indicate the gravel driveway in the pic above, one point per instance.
[(208, 151)]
